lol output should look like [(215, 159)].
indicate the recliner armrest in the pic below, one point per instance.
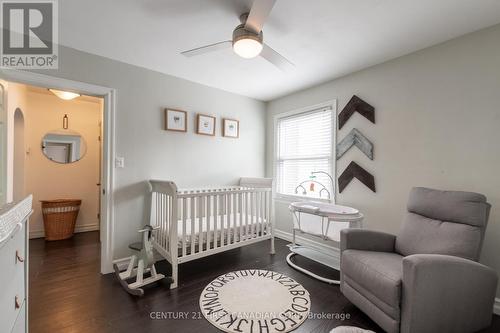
[(444, 293), (367, 240)]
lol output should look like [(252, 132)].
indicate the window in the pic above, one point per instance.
[(304, 145)]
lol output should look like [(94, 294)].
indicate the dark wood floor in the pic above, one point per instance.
[(68, 294)]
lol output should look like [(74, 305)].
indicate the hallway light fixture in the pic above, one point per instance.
[(66, 95)]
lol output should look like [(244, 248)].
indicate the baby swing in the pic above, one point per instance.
[(139, 264)]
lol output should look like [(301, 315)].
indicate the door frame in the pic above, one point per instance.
[(106, 228)]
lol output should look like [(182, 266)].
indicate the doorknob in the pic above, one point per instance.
[(98, 184)]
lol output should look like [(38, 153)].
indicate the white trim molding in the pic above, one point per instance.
[(78, 229), (335, 252), (108, 146)]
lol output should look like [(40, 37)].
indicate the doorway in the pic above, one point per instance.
[(105, 186), (63, 163)]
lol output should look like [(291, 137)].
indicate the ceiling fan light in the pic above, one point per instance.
[(247, 47), (66, 95)]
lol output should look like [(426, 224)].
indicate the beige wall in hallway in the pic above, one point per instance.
[(437, 125), (49, 180)]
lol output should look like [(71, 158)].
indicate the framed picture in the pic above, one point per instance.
[(205, 124), (175, 120), (231, 128)]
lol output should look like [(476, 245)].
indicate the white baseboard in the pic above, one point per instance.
[(300, 240), (78, 228), (496, 306)]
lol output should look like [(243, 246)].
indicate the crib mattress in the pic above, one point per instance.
[(220, 226)]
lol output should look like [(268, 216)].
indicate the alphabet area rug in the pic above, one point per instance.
[(255, 301)]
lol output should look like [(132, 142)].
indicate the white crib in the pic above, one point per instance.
[(195, 223)]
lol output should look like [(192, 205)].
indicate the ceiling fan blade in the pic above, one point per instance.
[(258, 14), (207, 48), (276, 59)]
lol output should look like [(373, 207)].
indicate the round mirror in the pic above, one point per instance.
[(63, 146)]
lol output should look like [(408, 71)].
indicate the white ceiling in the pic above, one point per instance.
[(325, 39)]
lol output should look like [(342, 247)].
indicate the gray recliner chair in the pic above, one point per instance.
[(426, 279)]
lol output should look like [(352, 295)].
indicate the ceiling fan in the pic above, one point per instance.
[(248, 39)]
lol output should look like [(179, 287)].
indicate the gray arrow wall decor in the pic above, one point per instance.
[(355, 138)]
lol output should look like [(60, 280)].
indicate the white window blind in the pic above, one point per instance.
[(304, 145)]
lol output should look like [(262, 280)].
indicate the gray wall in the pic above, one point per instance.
[(150, 152), (437, 125)]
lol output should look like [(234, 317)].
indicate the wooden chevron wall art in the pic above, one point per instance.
[(353, 170), (356, 104), (355, 138)]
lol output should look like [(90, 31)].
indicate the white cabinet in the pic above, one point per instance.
[(14, 266)]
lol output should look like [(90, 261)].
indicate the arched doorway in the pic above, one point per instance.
[(19, 155)]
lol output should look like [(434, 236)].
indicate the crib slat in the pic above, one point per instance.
[(200, 224), (162, 220), (168, 220), (223, 219), (265, 220), (235, 212), (268, 210), (216, 219), (208, 220), (228, 216), (158, 218), (162, 216), (262, 212), (192, 203), (240, 203), (259, 218), (245, 213), (165, 214), (183, 226), (254, 215), (250, 210)]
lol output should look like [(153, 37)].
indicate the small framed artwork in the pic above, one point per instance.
[(205, 125), (175, 120), (231, 128)]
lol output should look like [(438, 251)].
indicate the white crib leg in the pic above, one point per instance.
[(272, 246), (175, 275)]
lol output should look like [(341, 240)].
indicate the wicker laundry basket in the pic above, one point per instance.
[(59, 218)]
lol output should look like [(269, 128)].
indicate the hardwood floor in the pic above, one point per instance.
[(68, 294)]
